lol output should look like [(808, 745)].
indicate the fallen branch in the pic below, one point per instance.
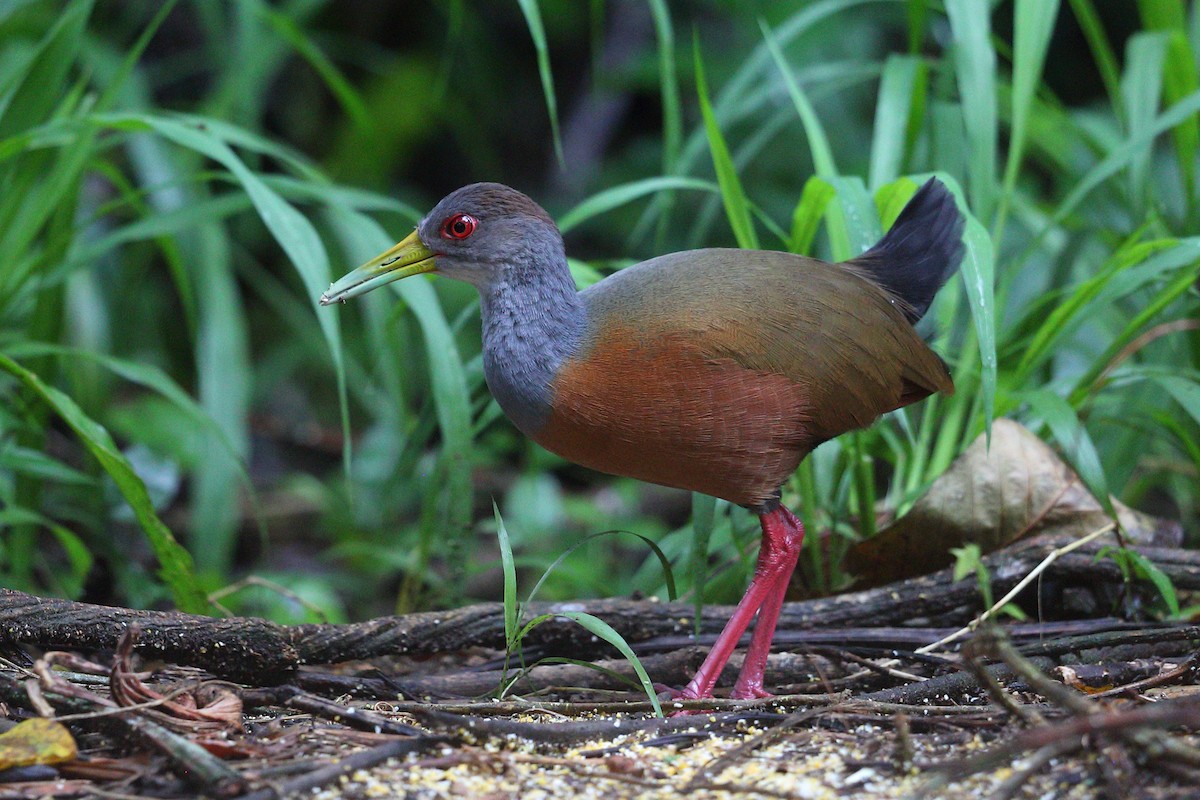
[(260, 651)]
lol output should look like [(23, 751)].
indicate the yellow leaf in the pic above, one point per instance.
[(36, 741)]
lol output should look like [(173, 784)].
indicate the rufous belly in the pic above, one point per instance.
[(659, 410)]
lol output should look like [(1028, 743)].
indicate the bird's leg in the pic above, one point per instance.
[(782, 535), (750, 680)]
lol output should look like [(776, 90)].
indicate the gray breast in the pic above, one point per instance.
[(527, 336)]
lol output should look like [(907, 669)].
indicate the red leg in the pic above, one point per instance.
[(782, 535), (750, 680)]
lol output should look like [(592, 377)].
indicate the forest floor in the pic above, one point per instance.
[(888, 692)]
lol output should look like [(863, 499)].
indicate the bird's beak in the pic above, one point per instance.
[(409, 257)]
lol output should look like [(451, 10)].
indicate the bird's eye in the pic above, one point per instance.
[(459, 226)]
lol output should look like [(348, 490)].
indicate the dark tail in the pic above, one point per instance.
[(922, 249)]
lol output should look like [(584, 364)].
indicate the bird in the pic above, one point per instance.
[(714, 370)]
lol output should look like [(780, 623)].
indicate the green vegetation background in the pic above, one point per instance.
[(179, 182)]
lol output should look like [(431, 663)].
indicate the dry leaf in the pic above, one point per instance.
[(36, 741), (205, 708), (992, 497)]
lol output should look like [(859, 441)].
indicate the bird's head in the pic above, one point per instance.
[(482, 234)]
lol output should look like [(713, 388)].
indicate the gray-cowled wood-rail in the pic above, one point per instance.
[(712, 370)]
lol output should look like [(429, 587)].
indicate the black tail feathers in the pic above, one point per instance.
[(920, 252)]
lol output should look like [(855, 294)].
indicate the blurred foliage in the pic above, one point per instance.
[(181, 181)]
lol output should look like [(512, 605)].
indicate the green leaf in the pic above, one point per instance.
[(1033, 23), (350, 100), (897, 111), (1141, 88), (145, 375), (737, 207), (1180, 283), (1185, 392), (818, 142), (447, 380), (1179, 79), (1102, 51), (978, 271), (855, 229), (511, 609), (1134, 565), (806, 219), (1119, 157), (537, 32), (668, 86), (617, 196), (28, 461), (1148, 570), (1126, 272), (891, 198), (28, 95), (917, 14), (176, 564), (79, 558), (294, 233), (602, 630), (663, 561), (975, 70), (1075, 442)]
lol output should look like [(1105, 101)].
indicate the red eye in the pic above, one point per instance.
[(459, 226)]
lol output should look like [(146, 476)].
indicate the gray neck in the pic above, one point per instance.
[(533, 321)]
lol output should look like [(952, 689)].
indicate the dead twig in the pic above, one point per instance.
[(351, 717), (328, 773), (972, 652)]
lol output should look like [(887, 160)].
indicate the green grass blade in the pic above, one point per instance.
[(67, 583), (897, 110), (448, 387), (818, 142), (917, 14), (1141, 88), (663, 561), (30, 95), (1073, 438), (1123, 154), (116, 83), (537, 32), (806, 218), (512, 611), (174, 562), (223, 366), (350, 100), (859, 218), (603, 631), (1033, 23), (1151, 572), (144, 375), (737, 207), (1185, 392), (1102, 51), (1179, 80), (975, 70), (1120, 276), (1182, 282), (25, 460), (294, 233), (978, 271), (668, 86), (617, 196), (852, 224)]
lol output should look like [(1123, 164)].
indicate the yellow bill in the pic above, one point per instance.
[(409, 257)]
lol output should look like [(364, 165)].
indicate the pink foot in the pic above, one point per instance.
[(749, 691), (782, 536)]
